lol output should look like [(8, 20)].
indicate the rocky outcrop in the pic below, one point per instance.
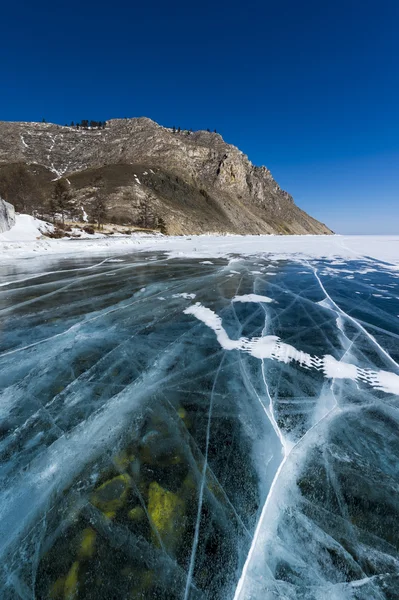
[(193, 182), (7, 216)]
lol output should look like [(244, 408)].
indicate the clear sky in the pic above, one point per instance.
[(308, 88)]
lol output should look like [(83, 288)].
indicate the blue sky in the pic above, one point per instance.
[(310, 88)]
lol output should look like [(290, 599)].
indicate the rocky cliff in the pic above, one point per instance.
[(7, 216), (191, 182)]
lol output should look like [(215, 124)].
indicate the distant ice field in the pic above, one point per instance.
[(179, 428), (25, 240)]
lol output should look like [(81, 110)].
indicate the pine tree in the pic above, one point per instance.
[(62, 198), (52, 209), (174, 129), (99, 211), (178, 130), (162, 226), (72, 124), (99, 208)]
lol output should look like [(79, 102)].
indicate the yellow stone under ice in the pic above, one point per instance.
[(136, 514), (88, 543), (166, 510), (71, 582), (111, 495)]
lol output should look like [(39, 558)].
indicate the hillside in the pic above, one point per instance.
[(189, 182)]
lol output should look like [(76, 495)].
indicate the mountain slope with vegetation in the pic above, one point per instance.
[(136, 172)]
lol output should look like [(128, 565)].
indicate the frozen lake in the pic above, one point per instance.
[(216, 428)]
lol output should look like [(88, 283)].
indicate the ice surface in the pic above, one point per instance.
[(239, 439)]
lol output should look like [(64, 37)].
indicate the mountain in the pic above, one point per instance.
[(189, 182)]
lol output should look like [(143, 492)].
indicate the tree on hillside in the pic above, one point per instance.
[(146, 215), (62, 198), (19, 186), (99, 211), (99, 207), (162, 226), (52, 209)]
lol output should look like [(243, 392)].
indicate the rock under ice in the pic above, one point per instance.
[(237, 440)]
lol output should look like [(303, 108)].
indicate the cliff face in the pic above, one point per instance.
[(7, 216), (194, 182)]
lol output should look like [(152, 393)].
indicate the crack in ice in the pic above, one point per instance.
[(272, 347), (353, 320)]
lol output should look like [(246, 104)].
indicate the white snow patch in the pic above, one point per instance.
[(252, 298), (335, 369), (184, 295), (26, 229), (85, 216), (271, 347)]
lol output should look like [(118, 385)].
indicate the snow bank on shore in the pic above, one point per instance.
[(26, 239), (26, 229)]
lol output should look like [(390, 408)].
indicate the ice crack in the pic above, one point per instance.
[(273, 348)]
